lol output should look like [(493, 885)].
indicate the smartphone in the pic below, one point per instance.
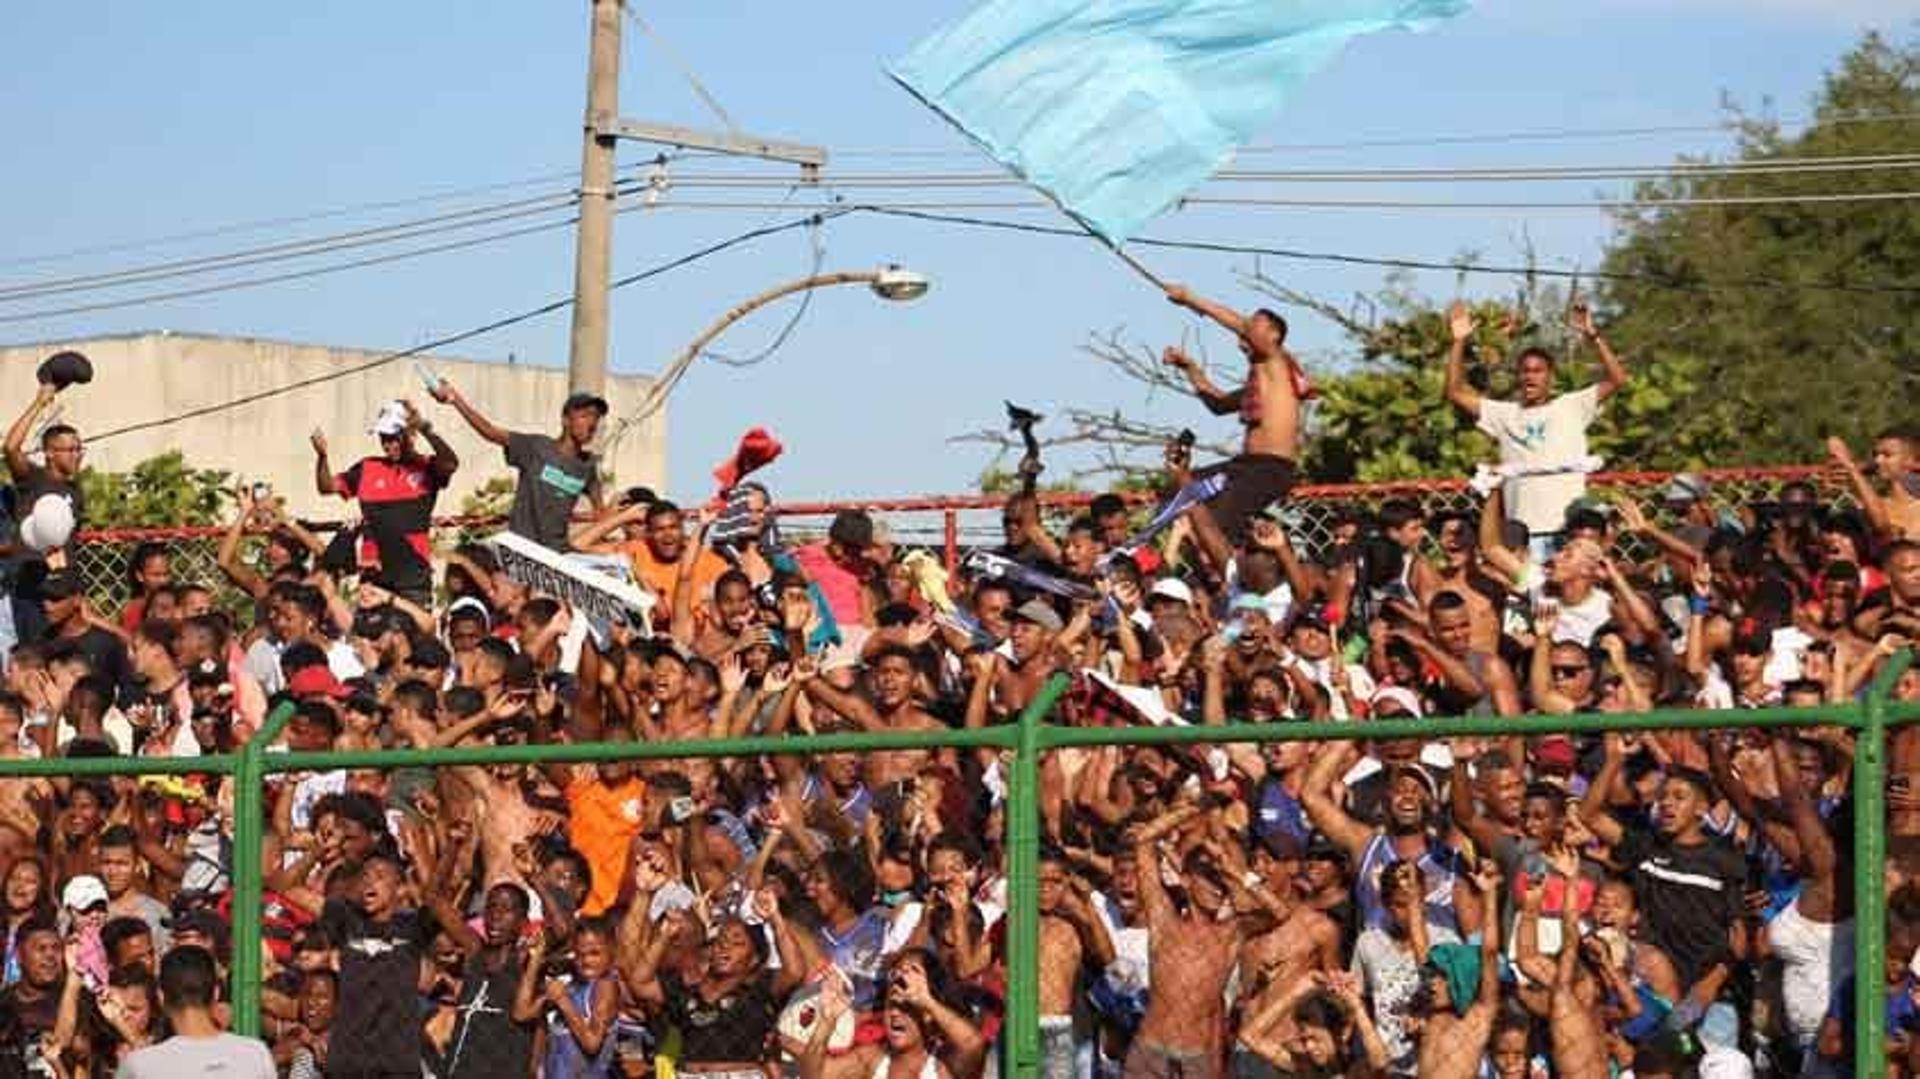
[(680, 810)]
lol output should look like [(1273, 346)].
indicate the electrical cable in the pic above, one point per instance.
[(1543, 135), (686, 71), (1663, 280), (464, 335), (793, 323), (290, 249)]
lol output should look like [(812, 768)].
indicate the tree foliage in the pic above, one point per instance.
[(159, 492), (1774, 370)]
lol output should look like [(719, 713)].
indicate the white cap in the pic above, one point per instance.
[(392, 419), (82, 892), (1725, 1064), (1171, 588), (49, 524)]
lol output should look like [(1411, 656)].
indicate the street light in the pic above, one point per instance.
[(893, 283)]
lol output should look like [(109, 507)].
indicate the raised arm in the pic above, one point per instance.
[(1493, 548), (1327, 815), (241, 574), (1460, 326), (447, 394), (444, 462), (850, 705), (1613, 373), (16, 447), (323, 479), (1871, 504)]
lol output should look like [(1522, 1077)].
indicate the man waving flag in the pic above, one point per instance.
[(1118, 108)]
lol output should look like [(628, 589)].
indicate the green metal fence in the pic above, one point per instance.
[(1029, 738)]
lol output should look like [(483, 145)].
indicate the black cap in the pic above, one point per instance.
[(61, 584), (63, 369), (580, 399)]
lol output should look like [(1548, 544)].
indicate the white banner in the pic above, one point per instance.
[(597, 586)]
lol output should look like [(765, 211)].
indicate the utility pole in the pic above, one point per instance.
[(593, 252)]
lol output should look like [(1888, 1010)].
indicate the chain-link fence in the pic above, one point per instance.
[(954, 525)]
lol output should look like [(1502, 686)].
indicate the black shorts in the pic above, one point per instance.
[(1254, 482)]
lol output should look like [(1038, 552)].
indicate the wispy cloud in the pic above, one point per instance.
[(1892, 15)]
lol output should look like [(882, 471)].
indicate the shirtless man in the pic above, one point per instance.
[(1456, 1032), (1185, 1026), (1268, 405), (1073, 939), (1896, 462), (892, 708)]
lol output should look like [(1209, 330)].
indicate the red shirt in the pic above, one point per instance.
[(839, 584)]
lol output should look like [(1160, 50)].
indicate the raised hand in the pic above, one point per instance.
[(1580, 319), (1838, 452), (1702, 579), (1177, 359), (1460, 321), (319, 440), (1179, 295)]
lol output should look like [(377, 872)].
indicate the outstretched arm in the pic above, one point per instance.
[(1229, 319), (447, 394)]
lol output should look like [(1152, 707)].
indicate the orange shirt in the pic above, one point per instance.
[(660, 577), (602, 822)]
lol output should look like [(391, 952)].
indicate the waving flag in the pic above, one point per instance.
[(1118, 108)]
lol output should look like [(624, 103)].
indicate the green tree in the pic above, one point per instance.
[(491, 499), (159, 492), (1771, 371)]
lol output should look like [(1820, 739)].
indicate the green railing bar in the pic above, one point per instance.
[(249, 879), (1023, 875), (1002, 737), (1869, 875), (20, 768), (1455, 727)]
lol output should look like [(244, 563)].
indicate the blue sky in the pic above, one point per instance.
[(126, 121)]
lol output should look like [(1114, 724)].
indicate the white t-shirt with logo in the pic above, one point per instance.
[(1544, 436)]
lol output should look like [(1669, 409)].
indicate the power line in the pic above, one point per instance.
[(282, 221), (685, 70), (464, 335), (292, 275), (1663, 280), (291, 249), (1819, 198), (1510, 173), (1466, 139)]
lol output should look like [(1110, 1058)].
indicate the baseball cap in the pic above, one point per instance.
[(391, 420), (1172, 588), (1040, 613), (317, 682), (1419, 773), (49, 523), (1409, 704), (82, 892), (1687, 487), (1554, 751), (580, 399)]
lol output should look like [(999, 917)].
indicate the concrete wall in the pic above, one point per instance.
[(143, 377)]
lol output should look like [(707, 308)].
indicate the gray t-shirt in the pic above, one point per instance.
[(549, 485), (227, 1056)]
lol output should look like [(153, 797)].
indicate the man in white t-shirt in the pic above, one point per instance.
[(188, 979), (1538, 431)]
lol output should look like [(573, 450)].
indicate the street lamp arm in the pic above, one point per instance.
[(670, 377)]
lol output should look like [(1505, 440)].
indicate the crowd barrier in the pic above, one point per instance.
[(1027, 740)]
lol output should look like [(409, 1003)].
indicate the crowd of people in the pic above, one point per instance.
[(1654, 904)]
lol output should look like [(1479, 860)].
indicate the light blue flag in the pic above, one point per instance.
[(1119, 108)]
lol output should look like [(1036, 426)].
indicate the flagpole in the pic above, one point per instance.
[(1133, 263)]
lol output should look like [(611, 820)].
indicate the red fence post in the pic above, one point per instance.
[(952, 520)]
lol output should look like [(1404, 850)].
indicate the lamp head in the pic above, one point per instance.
[(899, 284)]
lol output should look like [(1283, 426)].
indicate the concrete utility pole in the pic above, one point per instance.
[(593, 253)]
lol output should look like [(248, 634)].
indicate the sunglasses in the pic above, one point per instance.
[(1569, 672)]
